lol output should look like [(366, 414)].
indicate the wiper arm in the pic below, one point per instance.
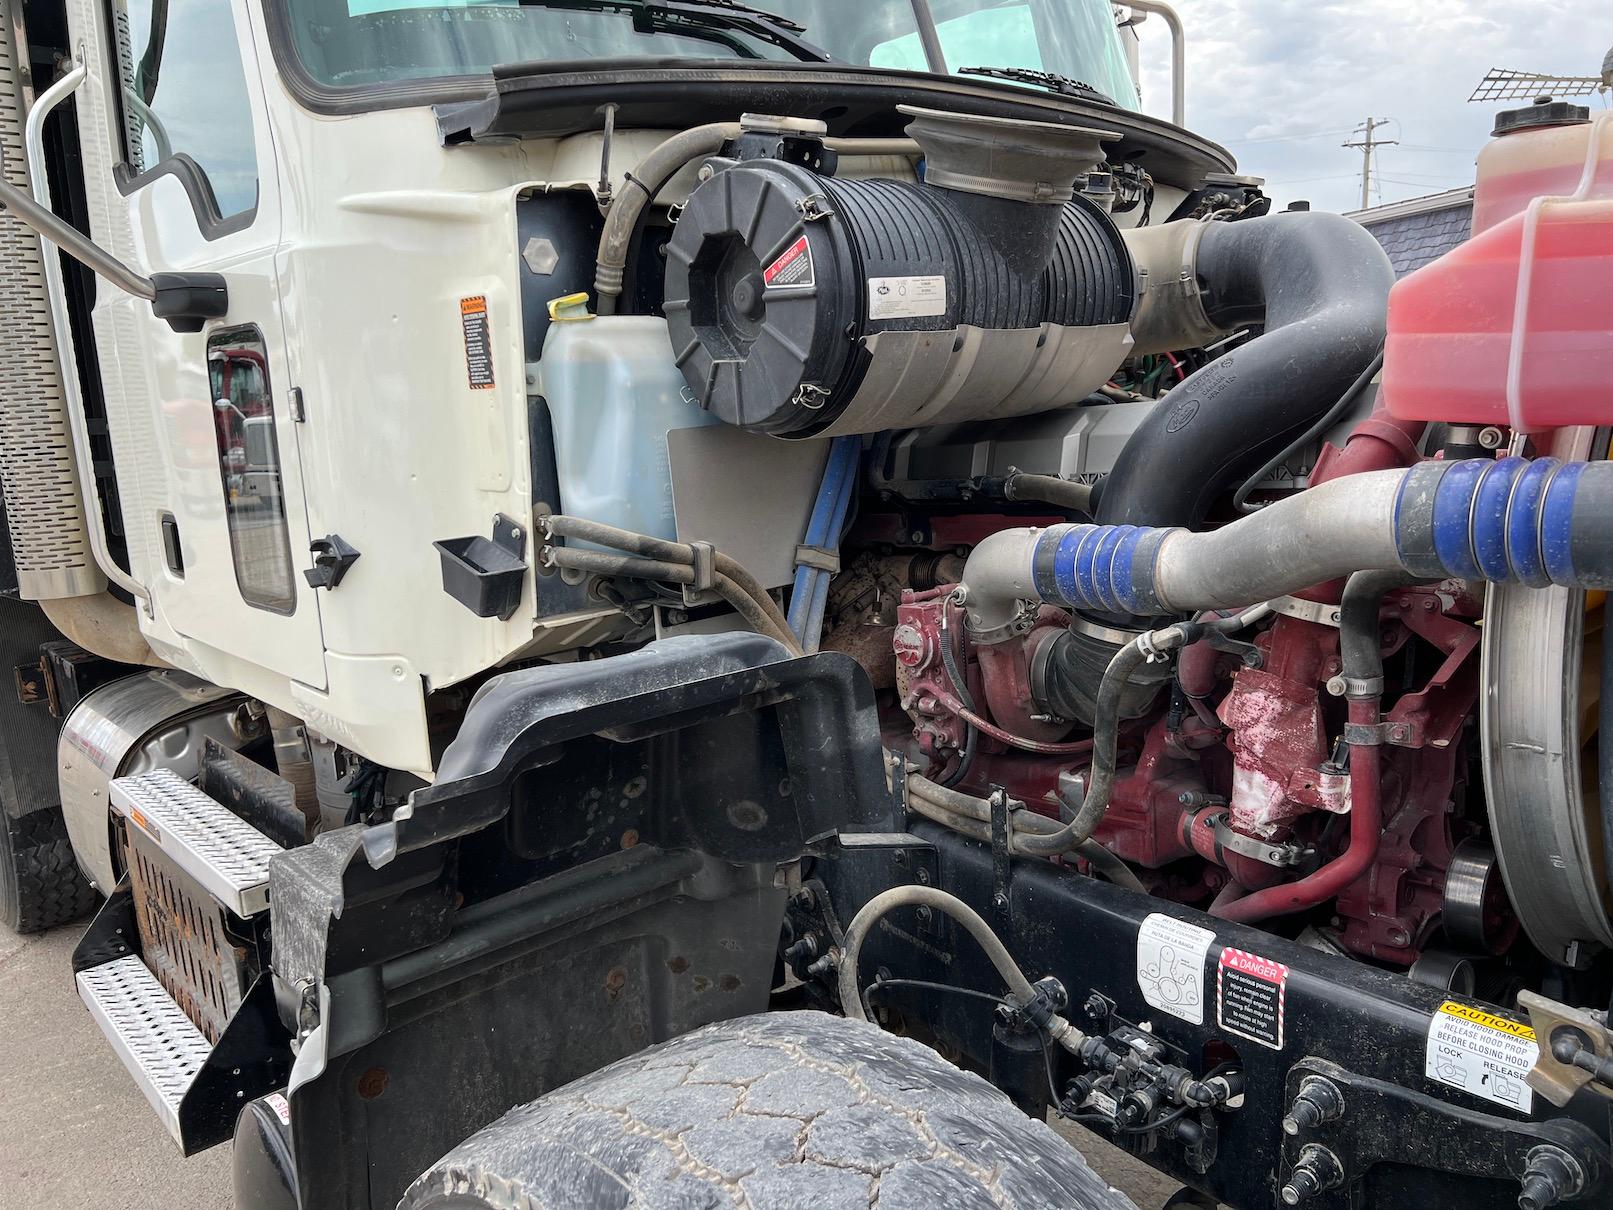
[(734, 6), (1065, 86), (730, 14)]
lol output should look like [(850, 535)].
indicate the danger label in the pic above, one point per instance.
[(792, 268), (906, 297), (1249, 996), (1170, 965), (478, 342), (1482, 1054)]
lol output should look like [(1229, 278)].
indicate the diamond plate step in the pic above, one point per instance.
[(151, 1034), (216, 847)]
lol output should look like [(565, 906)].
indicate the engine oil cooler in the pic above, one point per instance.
[(802, 305)]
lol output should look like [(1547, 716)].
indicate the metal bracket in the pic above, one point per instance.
[(1373, 735), (1386, 1123), (1000, 867), (1306, 611)]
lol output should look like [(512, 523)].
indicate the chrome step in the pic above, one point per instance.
[(216, 847), (151, 1033)]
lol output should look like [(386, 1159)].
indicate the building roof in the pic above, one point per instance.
[(1420, 229)]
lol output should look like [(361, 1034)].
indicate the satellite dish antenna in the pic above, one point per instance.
[(1508, 84)]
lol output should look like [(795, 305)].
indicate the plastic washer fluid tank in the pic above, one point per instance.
[(1516, 325), (614, 392)]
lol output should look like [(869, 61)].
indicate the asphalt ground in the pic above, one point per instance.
[(76, 1134)]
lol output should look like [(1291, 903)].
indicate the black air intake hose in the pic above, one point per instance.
[(1320, 285)]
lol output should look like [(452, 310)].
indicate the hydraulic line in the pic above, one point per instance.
[(631, 567), (648, 177), (1019, 987), (672, 552), (972, 818)]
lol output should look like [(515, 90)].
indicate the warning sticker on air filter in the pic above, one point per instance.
[(792, 268), (1249, 996), (906, 297), (1483, 1054)]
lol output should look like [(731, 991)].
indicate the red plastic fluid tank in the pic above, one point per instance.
[(1516, 325), (1537, 151)]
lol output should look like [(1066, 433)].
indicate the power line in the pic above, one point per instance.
[(1367, 145), (1290, 138)]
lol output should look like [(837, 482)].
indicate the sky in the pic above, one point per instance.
[(1282, 83)]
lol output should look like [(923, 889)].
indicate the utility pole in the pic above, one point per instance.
[(1367, 145)]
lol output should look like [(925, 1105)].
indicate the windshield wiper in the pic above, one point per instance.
[(795, 27), (1065, 86), (728, 14)]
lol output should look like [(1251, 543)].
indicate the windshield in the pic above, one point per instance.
[(358, 43)]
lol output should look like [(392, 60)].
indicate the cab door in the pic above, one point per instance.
[(179, 168)]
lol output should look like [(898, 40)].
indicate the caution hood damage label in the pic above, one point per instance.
[(1482, 1054)]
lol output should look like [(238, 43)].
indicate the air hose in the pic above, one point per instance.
[(1019, 987)]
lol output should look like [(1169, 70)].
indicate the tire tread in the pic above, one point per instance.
[(770, 1112)]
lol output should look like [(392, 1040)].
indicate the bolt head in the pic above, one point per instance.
[(540, 256)]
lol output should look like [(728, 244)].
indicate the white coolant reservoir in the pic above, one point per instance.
[(614, 393)]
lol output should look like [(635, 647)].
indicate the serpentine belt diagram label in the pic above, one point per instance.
[(1482, 1054), (1170, 965), (906, 297), (478, 342), (1250, 994)]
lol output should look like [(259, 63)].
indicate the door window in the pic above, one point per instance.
[(184, 101), (249, 462)]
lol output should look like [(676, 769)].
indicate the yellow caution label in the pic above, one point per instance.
[(1489, 1020)]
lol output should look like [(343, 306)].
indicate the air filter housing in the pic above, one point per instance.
[(801, 305)]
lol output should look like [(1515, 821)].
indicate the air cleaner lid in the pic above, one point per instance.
[(757, 294)]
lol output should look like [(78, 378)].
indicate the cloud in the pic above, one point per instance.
[(1283, 83)]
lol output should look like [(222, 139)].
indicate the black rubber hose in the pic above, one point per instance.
[(1319, 283), (1240, 499), (1360, 635), (1110, 866), (1105, 745), (1049, 489)]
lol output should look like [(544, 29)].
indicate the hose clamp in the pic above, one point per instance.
[(1375, 735)]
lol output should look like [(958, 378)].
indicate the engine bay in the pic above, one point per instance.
[(988, 328)]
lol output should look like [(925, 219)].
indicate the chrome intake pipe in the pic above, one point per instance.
[(1539, 523)]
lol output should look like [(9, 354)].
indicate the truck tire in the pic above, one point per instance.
[(775, 1112), (40, 884)]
